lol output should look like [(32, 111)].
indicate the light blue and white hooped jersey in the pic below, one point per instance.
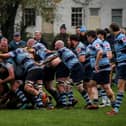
[(80, 49), (106, 45), (68, 57), (40, 50), (120, 44), (93, 49), (22, 57)]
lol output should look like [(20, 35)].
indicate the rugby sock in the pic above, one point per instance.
[(39, 85), (103, 92), (20, 94), (95, 101), (118, 101), (70, 97), (38, 100), (63, 99), (104, 96), (36, 86), (86, 97)]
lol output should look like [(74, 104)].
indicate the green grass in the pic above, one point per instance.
[(73, 117)]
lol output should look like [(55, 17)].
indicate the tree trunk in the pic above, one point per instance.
[(8, 26)]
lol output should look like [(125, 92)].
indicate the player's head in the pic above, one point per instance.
[(74, 40), (114, 27), (4, 44), (59, 44), (91, 35), (30, 42), (101, 34)]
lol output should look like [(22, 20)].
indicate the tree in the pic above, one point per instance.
[(8, 11), (83, 2)]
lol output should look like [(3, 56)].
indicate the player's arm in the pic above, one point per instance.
[(50, 51), (11, 75), (109, 51), (98, 57), (82, 58), (81, 52), (109, 54), (49, 59), (5, 55), (39, 63)]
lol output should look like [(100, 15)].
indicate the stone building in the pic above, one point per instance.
[(91, 13)]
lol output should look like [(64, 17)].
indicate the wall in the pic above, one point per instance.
[(63, 16)]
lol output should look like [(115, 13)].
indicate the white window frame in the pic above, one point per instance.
[(117, 15), (31, 14), (77, 22)]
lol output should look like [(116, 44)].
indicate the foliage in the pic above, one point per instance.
[(8, 11), (41, 5), (83, 2), (44, 7)]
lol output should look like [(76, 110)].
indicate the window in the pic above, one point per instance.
[(117, 16), (29, 16), (76, 17), (94, 11)]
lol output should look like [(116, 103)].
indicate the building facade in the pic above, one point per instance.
[(91, 13)]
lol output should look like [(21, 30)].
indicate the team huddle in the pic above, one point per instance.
[(26, 70)]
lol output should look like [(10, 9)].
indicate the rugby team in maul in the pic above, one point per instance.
[(90, 61)]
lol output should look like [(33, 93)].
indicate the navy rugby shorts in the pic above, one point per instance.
[(102, 77), (77, 73), (121, 72), (62, 71), (34, 75)]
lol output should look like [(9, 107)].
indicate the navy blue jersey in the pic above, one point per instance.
[(93, 49), (68, 57), (22, 57), (106, 45), (120, 49), (40, 50), (80, 49), (39, 46)]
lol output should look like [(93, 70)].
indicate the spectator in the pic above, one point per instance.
[(78, 33), (83, 37), (62, 35), (16, 42), (39, 38)]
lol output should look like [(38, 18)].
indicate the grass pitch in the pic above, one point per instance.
[(60, 117)]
